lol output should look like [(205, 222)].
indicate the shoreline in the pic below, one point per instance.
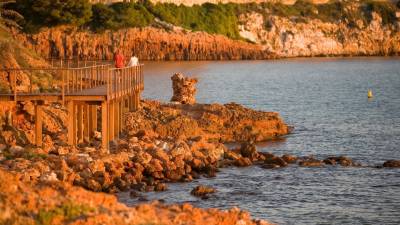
[(144, 159)]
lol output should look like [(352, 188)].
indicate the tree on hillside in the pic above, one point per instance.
[(102, 18), (9, 16), (54, 12)]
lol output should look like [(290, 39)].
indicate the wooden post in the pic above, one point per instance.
[(71, 123), (104, 124), (93, 119), (86, 119), (38, 125), (137, 100), (111, 121), (121, 113), (80, 123), (134, 101), (117, 119)]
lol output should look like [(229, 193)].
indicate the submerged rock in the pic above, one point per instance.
[(310, 162), (341, 160), (290, 159), (274, 162)]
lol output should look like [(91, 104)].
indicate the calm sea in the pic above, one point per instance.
[(325, 99)]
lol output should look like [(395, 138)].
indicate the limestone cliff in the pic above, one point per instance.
[(148, 44), (272, 37), (286, 38)]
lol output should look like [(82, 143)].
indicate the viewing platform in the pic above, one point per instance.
[(96, 98)]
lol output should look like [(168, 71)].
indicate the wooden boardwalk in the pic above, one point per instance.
[(87, 93)]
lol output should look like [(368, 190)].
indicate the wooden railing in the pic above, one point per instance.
[(123, 81), (75, 62), (74, 81), (79, 79)]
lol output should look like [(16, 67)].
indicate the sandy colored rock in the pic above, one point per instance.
[(202, 190), (184, 89)]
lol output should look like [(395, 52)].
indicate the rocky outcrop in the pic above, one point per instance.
[(53, 202), (184, 89), (211, 122)]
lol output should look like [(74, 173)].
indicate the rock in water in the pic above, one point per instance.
[(201, 191), (184, 89), (392, 164)]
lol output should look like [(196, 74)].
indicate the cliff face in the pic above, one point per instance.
[(286, 38), (273, 37), (147, 44)]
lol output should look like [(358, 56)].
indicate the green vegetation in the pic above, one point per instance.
[(212, 18), (120, 15), (53, 12), (67, 211), (27, 154)]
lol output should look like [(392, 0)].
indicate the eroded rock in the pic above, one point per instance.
[(184, 89)]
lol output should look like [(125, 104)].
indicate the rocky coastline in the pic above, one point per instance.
[(163, 142)]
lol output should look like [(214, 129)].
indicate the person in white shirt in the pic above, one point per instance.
[(134, 61)]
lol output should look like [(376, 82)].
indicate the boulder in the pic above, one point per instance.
[(249, 150), (16, 150), (2, 147), (231, 155), (243, 162), (160, 187), (274, 162), (62, 150), (341, 160), (202, 190), (392, 164), (48, 177), (290, 159), (311, 162)]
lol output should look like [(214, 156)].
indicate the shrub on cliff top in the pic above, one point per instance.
[(212, 18), (40, 13), (119, 15)]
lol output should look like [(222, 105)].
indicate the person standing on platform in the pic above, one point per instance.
[(134, 61), (119, 59)]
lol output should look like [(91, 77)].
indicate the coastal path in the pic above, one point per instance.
[(96, 97)]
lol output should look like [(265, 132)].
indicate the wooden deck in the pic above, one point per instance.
[(84, 91)]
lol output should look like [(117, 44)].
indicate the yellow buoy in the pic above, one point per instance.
[(370, 95)]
